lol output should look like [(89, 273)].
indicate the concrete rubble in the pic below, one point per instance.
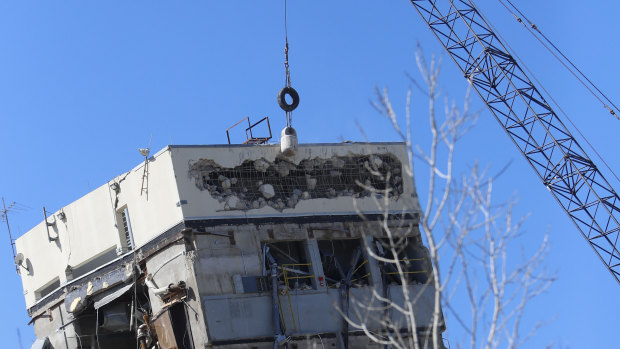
[(281, 184)]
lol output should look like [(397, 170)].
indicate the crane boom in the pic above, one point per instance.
[(562, 165)]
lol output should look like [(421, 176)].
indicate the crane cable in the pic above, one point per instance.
[(287, 82), (544, 89), (288, 90), (533, 29)]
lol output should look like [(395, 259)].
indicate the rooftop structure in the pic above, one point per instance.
[(234, 246)]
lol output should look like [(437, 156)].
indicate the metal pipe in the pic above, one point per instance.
[(157, 291), (278, 336), (47, 226), (156, 270), (274, 301), (160, 291)]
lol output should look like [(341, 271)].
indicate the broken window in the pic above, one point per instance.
[(412, 257), (344, 261), (294, 266), (282, 184), (107, 327)]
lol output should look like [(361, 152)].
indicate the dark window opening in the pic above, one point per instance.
[(344, 261), (173, 328), (294, 266), (181, 326), (49, 288), (111, 325), (107, 328), (412, 258)]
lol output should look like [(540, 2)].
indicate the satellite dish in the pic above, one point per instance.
[(19, 259)]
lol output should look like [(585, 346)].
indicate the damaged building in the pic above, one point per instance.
[(231, 246)]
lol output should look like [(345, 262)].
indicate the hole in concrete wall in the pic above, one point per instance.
[(181, 326), (342, 260), (110, 328), (173, 328), (294, 266), (282, 184), (413, 259)]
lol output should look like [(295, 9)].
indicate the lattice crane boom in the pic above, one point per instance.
[(562, 165)]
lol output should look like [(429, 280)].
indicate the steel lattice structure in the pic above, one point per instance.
[(533, 126)]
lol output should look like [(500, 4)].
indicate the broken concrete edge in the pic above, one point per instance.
[(176, 234), (166, 307), (79, 297), (282, 183), (170, 236), (82, 282), (201, 224)]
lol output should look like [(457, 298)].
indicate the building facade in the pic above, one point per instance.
[(235, 246)]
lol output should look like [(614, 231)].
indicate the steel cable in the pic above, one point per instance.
[(289, 114), (545, 90), (535, 28)]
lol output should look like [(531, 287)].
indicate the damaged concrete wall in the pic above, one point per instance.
[(55, 323), (226, 254), (243, 181), (324, 340), (211, 182), (235, 201), (87, 232), (172, 265), (248, 316), (282, 184)]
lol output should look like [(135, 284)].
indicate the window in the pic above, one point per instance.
[(47, 289), (294, 266), (412, 257), (344, 260)]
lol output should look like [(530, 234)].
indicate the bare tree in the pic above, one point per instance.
[(474, 268)]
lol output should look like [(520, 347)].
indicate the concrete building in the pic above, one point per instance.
[(234, 246)]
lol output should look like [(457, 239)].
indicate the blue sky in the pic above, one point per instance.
[(83, 85)]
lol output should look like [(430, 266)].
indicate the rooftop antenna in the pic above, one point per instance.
[(144, 189), (5, 217), (288, 140)]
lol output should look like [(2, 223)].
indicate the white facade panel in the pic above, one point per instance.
[(91, 231)]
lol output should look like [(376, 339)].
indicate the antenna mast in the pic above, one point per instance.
[(4, 216)]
